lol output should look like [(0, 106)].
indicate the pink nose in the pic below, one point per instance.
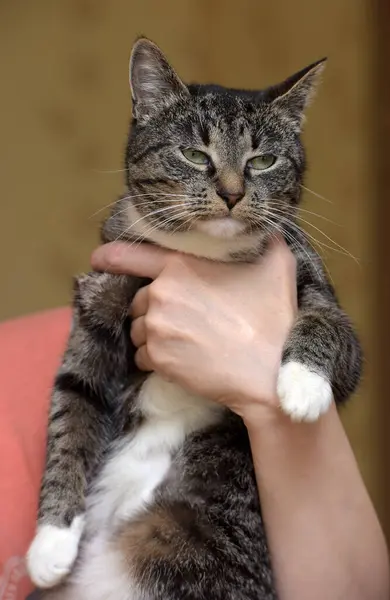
[(231, 197)]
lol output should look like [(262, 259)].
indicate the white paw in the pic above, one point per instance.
[(53, 552), (303, 394)]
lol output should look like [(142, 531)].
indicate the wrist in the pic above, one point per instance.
[(272, 423), (263, 414), (252, 387), (256, 410)]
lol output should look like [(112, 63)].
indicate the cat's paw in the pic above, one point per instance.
[(53, 552), (303, 394)]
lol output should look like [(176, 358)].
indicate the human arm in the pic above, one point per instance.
[(325, 538), (229, 323)]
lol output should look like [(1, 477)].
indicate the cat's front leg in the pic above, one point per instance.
[(78, 430), (82, 420), (321, 361)]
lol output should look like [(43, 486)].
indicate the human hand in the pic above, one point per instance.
[(216, 329)]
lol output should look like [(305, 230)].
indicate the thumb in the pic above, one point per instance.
[(143, 260)]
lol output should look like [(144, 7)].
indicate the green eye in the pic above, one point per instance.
[(261, 162), (196, 156)]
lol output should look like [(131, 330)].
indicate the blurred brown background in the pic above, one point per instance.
[(64, 110)]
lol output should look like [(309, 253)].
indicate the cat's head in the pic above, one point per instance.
[(202, 158)]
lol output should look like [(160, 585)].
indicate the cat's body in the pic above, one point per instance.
[(151, 488)]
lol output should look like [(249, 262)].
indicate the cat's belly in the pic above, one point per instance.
[(102, 575), (126, 487), (138, 464)]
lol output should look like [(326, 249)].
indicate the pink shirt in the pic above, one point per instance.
[(30, 352)]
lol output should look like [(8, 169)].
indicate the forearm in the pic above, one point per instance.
[(324, 536)]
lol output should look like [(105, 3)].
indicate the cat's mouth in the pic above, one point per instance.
[(225, 227)]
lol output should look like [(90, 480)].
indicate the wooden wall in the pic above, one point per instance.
[(380, 127), (64, 109)]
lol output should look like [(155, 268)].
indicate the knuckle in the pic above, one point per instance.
[(133, 326), (149, 322), (141, 359), (153, 353), (133, 330), (158, 292), (156, 325)]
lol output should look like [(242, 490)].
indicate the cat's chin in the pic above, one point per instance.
[(224, 227)]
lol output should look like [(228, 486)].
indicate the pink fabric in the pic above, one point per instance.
[(30, 351)]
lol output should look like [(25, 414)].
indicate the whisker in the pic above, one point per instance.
[(315, 194), (155, 225), (140, 237), (172, 218), (119, 212), (320, 251), (274, 230), (192, 218), (310, 212), (160, 200), (344, 250), (104, 208), (309, 237), (109, 170), (338, 248), (281, 216), (138, 196), (161, 210), (297, 243), (148, 215)]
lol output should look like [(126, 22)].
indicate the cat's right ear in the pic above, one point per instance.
[(154, 84)]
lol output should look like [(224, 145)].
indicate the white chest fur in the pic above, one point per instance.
[(139, 464)]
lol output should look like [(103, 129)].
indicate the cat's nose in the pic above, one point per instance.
[(231, 197)]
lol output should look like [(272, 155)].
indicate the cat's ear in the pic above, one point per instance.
[(294, 94), (154, 84)]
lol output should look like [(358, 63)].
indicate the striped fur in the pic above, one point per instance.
[(149, 493)]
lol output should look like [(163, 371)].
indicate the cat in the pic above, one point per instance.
[(149, 492)]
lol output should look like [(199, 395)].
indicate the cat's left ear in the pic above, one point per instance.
[(295, 94), (154, 83)]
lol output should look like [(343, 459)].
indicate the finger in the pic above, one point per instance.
[(142, 359), (138, 332), (140, 303), (143, 260)]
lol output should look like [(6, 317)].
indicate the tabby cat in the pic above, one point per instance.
[(149, 492)]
